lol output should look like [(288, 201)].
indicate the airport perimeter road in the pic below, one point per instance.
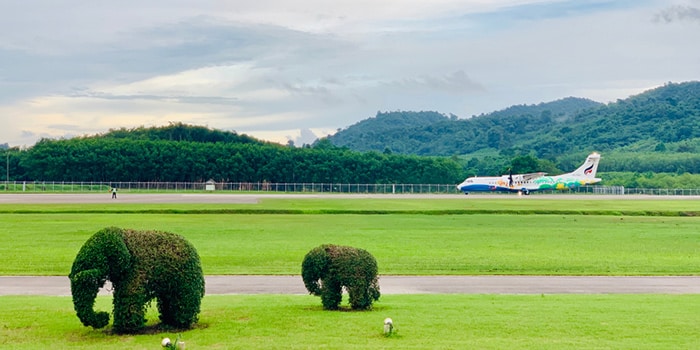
[(183, 198), (60, 285), (247, 198)]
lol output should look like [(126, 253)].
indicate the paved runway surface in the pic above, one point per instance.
[(232, 198), (60, 286)]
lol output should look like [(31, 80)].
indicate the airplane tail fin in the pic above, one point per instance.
[(589, 167)]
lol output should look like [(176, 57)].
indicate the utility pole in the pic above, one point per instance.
[(7, 179)]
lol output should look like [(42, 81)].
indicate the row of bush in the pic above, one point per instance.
[(147, 265)]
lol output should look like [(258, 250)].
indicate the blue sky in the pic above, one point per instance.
[(281, 70)]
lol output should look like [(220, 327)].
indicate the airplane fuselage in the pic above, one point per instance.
[(526, 183), (503, 184)]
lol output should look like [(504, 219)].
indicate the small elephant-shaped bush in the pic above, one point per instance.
[(142, 265), (328, 268)]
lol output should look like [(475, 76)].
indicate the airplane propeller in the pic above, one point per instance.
[(510, 177)]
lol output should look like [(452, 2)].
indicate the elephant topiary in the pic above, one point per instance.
[(142, 265), (328, 268)]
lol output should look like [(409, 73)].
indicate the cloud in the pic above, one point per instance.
[(456, 83), (305, 137), (678, 13), (168, 48), (214, 100), (273, 68)]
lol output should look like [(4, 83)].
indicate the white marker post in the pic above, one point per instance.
[(388, 326)]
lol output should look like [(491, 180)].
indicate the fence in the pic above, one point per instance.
[(48, 186)]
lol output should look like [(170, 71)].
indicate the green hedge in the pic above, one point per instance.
[(142, 266), (328, 268)]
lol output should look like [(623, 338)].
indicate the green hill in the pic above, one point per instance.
[(180, 132), (662, 119), (656, 131), (434, 134), (184, 153)]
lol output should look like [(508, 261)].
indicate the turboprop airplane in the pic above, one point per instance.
[(526, 183)]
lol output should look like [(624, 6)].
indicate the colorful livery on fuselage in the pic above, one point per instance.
[(526, 183)]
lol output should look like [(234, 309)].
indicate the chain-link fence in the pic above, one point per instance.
[(48, 186), (227, 187)]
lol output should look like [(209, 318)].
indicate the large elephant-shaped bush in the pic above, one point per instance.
[(328, 268), (142, 265)]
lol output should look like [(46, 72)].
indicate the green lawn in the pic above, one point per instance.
[(422, 322), (46, 244), (457, 205), (495, 236)]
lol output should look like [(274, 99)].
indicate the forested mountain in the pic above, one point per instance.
[(431, 133), (663, 119), (559, 109), (375, 134)]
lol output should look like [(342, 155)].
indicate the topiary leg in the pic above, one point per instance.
[(129, 310), (331, 294), (180, 310), (360, 298)]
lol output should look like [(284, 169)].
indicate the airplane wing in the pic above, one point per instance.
[(530, 176)]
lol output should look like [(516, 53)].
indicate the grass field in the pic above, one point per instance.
[(465, 236), (422, 322), (46, 244), (360, 205)]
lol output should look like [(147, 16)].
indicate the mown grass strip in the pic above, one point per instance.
[(383, 204), (404, 244), (421, 322), (235, 211)]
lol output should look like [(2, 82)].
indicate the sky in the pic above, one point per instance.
[(283, 70)]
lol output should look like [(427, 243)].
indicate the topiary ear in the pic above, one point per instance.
[(117, 254), (121, 264)]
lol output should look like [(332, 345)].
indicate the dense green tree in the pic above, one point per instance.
[(135, 159), (180, 132)]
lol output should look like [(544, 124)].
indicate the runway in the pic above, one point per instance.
[(247, 284), (246, 198)]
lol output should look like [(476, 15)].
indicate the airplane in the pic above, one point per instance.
[(526, 183)]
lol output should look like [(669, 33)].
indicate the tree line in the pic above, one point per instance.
[(136, 160), (182, 153)]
